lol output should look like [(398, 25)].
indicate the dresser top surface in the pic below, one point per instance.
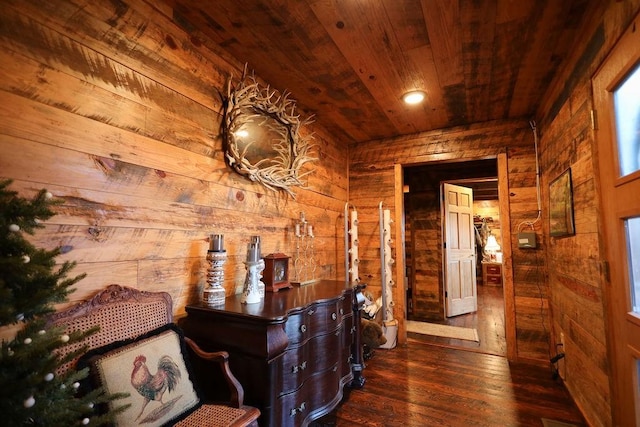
[(277, 305)]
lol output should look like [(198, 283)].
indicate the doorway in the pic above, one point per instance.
[(424, 252)]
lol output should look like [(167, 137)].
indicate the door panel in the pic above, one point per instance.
[(460, 251), (615, 90)]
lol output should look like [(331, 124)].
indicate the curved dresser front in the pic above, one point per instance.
[(294, 352)]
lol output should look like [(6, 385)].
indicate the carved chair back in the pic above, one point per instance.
[(120, 312)]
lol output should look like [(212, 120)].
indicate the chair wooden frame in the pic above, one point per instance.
[(124, 313)]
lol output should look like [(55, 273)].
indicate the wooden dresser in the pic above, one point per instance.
[(294, 352)]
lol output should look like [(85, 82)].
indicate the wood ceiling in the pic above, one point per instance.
[(349, 61)]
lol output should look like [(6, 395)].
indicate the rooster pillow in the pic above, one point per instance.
[(153, 371)]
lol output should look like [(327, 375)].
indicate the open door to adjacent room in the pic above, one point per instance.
[(459, 248), (422, 232)]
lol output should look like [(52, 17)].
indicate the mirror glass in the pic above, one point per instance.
[(258, 139)]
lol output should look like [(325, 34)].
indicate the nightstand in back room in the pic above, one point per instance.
[(492, 273)]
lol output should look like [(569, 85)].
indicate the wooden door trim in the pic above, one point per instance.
[(400, 294), (507, 258), (505, 222)]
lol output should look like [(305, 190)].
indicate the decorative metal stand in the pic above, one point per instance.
[(304, 262), (351, 259), (389, 324), (214, 293)]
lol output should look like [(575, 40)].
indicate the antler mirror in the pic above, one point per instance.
[(261, 134)]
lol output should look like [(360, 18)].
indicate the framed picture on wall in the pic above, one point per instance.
[(561, 206)]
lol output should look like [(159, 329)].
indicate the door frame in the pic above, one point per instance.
[(507, 255)]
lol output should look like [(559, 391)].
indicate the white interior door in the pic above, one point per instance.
[(461, 295)]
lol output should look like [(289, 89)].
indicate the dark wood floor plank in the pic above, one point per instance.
[(434, 381), (488, 321), (427, 385)]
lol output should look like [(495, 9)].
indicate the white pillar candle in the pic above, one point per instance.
[(253, 253), (216, 242)]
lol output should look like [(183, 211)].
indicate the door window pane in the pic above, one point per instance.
[(633, 244), (626, 99)]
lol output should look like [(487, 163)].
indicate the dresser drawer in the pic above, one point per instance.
[(296, 408), (494, 280), (317, 318), (494, 269), (318, 354)]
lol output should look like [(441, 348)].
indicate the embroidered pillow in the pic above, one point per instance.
[(153, 370)]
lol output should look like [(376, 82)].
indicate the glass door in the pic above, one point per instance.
[(616, 91)]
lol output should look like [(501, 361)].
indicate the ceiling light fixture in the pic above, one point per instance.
[(413, 97)]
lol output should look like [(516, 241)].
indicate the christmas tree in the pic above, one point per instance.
[(31, 392)]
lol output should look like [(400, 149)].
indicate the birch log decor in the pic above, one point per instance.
[(261, 131)]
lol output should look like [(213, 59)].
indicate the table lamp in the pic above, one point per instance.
[(492, 247)]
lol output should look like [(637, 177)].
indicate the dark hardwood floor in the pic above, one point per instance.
[(423, 385), (488, 320), (437, 382)]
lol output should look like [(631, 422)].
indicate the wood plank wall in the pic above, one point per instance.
[(574, 263), (371, 180), (425, 254), (116, 110)]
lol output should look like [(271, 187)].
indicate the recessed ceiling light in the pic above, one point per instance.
[(413, 97)]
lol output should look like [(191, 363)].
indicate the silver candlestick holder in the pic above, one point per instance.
[(214, 293), (304, 261)]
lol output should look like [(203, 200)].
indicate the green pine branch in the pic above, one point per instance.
[(34, 387), (29, 282)]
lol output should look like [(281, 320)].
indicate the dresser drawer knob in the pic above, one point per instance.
[(303, 328), (341, 311), (301, 367), (298, 410), (334, 316)]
